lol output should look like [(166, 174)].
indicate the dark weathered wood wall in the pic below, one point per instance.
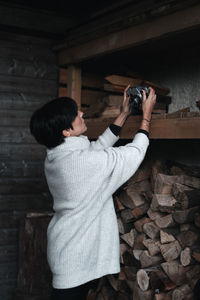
[(28, 78)]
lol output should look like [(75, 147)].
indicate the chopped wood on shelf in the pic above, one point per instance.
[(159, 248)]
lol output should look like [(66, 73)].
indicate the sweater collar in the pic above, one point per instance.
[(71, 143)]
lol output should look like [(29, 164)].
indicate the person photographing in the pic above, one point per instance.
[(83, 237)]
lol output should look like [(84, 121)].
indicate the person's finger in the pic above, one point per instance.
[(128, 86), (144, 96), (125, 91)]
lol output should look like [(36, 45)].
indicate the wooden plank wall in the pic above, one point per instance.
[(28, 78)]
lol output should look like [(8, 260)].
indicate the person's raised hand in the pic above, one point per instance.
[(125, 107), (148, 103)]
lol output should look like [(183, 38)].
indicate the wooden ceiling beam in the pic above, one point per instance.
[(178, 128), (157, 28)]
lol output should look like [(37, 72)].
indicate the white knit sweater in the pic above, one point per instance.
[(83, 237)]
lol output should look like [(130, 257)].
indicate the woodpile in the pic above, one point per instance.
[(158, 213)]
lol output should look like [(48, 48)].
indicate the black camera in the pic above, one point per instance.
[(135, 101)]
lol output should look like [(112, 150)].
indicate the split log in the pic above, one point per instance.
[(164, 183), (160, 281), (139, 242), (122, 274), (196, 256), (142, 186), (129, 260), (158, 166), (138, 294), (129, 237), (187, 238), (153, 215), (140, 211), (163, 296), (127, 215), (165, 222), (120, 226), (185, 257), (123, 80), (170, 251), (130, 272), (175, 271), (114, 282), (197, 219), (190, 181), (166, 237), (123, 249), (193, 275), (180, 292), (185, 196), (152, 246), (143, 279), (118, 204), (151, 229), (130, 198), (187, 226), (163, 203), (137, 253), (140, 223), (185, 216), (147, 260)]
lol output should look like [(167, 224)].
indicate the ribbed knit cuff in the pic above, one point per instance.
[(115, 129), (143, 131)]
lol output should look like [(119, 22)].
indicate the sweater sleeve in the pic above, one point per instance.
[(121, 163), (106, 140)]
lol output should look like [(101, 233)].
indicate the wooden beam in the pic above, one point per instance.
[(179, 128), (132, 36), (74, 84)]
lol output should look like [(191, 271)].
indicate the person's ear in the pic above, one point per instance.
[(66, 132)]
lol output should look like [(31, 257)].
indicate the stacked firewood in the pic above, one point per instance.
[(158, 213)]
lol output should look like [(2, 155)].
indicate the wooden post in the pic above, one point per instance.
[(74, 84)]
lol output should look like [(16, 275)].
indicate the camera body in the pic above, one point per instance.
[(136, 96)]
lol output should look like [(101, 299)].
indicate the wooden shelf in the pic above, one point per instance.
[(164, 128)]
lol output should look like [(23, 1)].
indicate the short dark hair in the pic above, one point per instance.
[(48, 122)]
